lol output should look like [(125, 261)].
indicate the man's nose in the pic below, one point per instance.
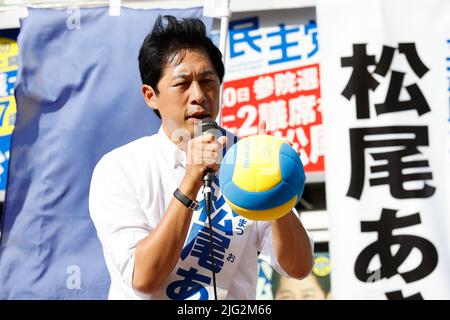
[(197, 94)]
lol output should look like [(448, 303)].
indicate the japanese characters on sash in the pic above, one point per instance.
[(386, 108), (273, 74)]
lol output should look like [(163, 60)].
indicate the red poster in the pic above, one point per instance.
[(289, 101)]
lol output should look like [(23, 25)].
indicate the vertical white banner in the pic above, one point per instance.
[(385, 108)]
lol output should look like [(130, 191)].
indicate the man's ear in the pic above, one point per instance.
[(150, 96)]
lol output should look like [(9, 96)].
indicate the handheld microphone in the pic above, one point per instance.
[(209, 125)]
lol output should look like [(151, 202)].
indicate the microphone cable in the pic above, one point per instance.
[(205, 125), (208, 204)]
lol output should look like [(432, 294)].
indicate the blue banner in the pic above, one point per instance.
[(8, 72), (78, 96)]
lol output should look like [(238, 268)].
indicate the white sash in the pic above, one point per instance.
[(192, 276)]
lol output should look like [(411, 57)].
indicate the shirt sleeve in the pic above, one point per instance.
[(117, 216), (267, 252)]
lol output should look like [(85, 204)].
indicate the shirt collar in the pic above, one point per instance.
[(173, 154)]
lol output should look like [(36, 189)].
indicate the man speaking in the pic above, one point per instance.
[(145, 197)]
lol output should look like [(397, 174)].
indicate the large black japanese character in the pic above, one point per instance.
[(362, 81), (394, 163), (398, 295), (390, 263)]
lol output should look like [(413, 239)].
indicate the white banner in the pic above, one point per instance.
[(385, 108)]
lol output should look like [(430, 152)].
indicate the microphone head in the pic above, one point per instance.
[(206, 124), (210, 126)]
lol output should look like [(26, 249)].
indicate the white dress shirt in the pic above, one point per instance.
[(130, 191)]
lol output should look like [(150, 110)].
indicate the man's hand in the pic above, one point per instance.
[(289, 238), (262, 127), (203, 152)]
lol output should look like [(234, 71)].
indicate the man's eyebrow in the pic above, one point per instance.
[(207, 72), (180, 76), (204, 73)]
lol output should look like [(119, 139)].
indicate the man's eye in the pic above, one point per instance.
[(181, 84)]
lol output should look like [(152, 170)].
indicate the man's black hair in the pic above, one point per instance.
[(169, 40)]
